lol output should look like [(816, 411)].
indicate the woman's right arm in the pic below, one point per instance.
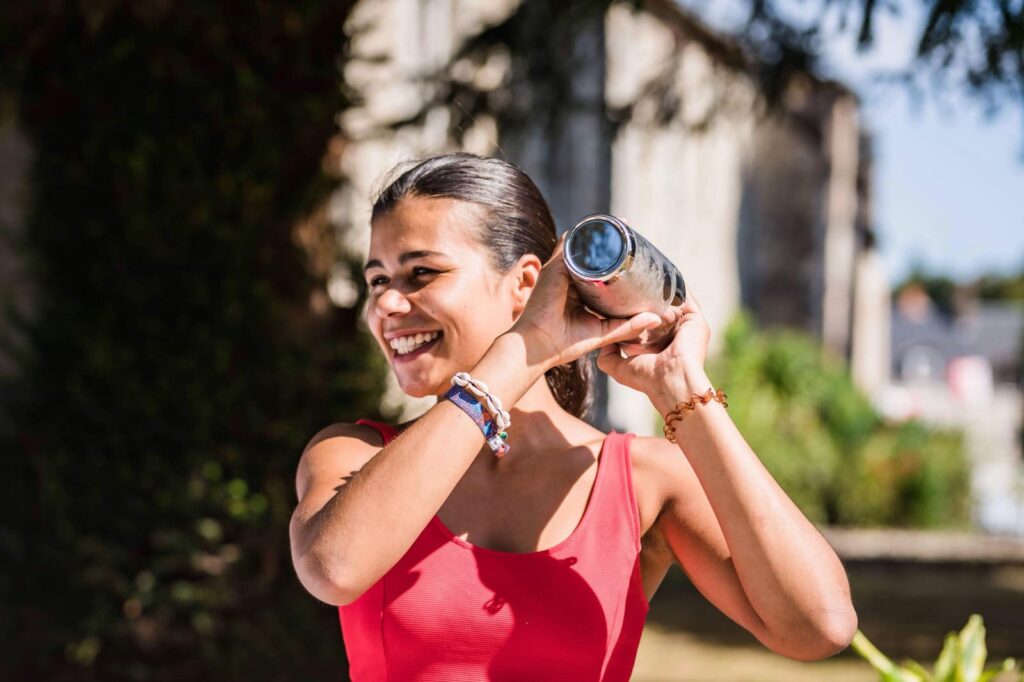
[(348, 530), (346, 535)]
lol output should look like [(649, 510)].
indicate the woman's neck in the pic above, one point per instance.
[(540, 427)]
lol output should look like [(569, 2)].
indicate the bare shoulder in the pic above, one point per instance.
[(360, 432), (655, 463), (333, 455), (661, 475), (662, 468)]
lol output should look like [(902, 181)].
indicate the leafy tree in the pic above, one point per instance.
[(182, 349), (975, 45), (941, 289), (945, 292), (1001, 287)]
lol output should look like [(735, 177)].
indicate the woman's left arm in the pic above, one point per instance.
[(759, 556)]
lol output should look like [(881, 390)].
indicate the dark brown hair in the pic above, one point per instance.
[(515, 221)]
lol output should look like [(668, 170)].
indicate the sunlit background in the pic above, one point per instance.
[(184, 204)]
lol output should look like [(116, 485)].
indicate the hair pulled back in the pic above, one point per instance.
[(515, 220)]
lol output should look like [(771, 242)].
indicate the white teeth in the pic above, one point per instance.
[(405, 344)]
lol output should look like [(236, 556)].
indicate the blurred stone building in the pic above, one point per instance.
[(660, 122), (961, 369), (656, 119)]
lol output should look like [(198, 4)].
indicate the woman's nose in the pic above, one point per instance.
[(393, 302)]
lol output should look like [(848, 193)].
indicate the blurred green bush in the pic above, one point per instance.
[(821, 439), (181, 350)]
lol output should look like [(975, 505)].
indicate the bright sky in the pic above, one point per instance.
[(949, 183)]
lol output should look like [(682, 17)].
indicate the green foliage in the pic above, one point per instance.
[(976, 47), (1001, 287), (944, 291), (827, 447), (175, 364), (941, 289), (962, 660)]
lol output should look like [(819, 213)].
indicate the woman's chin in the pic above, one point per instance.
[(419, 389)]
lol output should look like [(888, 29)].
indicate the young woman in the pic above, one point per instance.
[(448, 562)]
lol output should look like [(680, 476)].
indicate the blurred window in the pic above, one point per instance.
[(922, 364)]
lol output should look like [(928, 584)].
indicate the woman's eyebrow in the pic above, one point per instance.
[(403, 259)]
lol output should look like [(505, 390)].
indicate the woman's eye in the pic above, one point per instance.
[(417, 271)]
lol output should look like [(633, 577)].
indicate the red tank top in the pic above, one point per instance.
[(449, 610)]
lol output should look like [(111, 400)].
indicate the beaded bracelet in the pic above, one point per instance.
[(466, 393), (682, 408)]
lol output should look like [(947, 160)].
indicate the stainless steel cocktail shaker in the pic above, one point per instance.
[(618, 274)]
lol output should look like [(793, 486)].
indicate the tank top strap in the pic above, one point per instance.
[(387, 431), (621, 499)]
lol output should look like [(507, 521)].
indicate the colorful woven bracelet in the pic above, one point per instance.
[(491, 403), (472, 406)]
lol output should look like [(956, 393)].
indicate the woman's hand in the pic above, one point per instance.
[(560, 329), (672, 374)]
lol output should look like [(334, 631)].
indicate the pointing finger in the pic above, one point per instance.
[(616, 330)]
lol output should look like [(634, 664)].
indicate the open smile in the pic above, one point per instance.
[(404, 348)]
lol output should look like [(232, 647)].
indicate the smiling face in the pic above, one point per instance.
[(436, 303)]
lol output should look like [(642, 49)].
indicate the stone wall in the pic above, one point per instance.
[(677, 165)]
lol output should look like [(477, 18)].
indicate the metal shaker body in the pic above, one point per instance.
[(618, 274)]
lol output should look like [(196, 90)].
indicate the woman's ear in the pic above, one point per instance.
[(526, 273)]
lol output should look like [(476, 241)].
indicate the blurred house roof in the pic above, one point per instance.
[(993, 330)]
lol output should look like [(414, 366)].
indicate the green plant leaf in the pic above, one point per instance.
[(972, 650), (879, 661), (888, 671), (917, 669), (945, 664), (1006, 666)]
